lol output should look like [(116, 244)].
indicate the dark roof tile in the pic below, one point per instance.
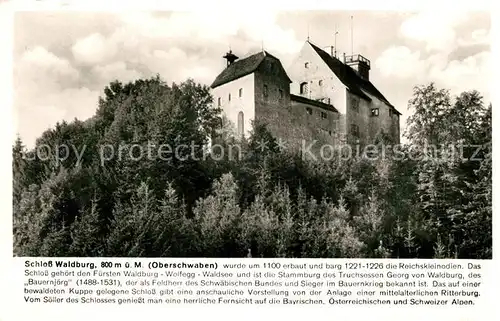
[(239, 68)]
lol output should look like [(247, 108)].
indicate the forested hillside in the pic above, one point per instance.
[(86, 189)]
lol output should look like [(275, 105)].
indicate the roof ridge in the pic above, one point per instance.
[(242, 67), (349, 77)]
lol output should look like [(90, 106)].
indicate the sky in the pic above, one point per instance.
[(63, 60)]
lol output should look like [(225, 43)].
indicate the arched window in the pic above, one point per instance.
[(306, 65), (320, 82), (241, 122), (304, 88)]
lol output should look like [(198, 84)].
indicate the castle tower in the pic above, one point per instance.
[(360, 64), (230, 57)]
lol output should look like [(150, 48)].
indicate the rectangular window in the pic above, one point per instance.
[(281, 94), (229, 97), (240, 92), (265, 91), (355, 103), (354, 130), (218, 102), (390, 112), (323, 115), (374, 112), (309, 110)]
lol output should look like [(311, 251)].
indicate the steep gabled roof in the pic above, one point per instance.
[(242, 67), (350, 78)]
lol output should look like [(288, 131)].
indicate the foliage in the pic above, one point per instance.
[(123, 196)]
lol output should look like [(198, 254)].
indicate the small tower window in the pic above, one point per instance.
[(323, 115), (306, 65), (374, 112), (309, 110), (241, 126), (354, 130), (240, 92), (320, 82), (304, 88), (219, 101), (229, 97), (265, 91)]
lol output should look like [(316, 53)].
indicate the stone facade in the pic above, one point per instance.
[(242, 92), (316, 99), (363, 117)]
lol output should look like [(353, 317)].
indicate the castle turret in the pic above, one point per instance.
[(360, 64), (230, 57)]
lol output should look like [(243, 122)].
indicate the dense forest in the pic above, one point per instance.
[(78, 201)]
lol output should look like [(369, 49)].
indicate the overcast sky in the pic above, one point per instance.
[(62, 60)]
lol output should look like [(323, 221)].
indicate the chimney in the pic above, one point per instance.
[(360, 64), (230, 57)]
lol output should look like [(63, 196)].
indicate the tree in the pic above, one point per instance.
[(446, 129), (259, 224), (172, 233), (369, 226), (340, 237), (19, 179), (86, 234), (430, 198), (217, 217), (26, 220)]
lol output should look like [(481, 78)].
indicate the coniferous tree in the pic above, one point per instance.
[(217, 217), (86, 237), (272, 202)]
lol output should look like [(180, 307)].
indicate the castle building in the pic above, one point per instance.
[(320, 98)]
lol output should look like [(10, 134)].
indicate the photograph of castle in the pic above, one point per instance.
[(255, 134), (320, 96)]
